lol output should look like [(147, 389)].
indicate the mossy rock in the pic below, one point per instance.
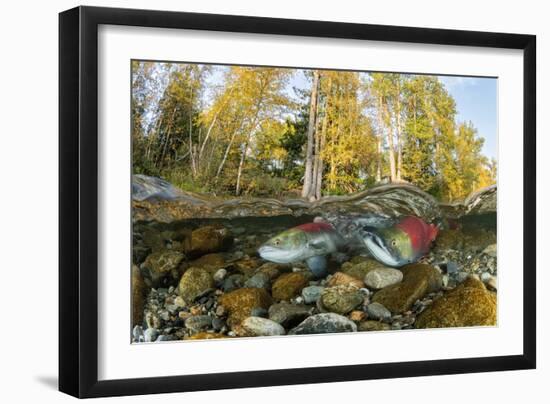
[(195, 282), (247, 266), (478, 239), (450, 239), (359, 270), (273, 270), (340, 278), (418, 281), (289, 285), (240, 303), (209, 262), (161, 268), (209, 239), (469, 304), (341, 299)]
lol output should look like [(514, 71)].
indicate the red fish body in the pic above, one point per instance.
[(405, 242)]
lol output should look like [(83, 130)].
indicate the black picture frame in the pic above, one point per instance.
[(78, 200)]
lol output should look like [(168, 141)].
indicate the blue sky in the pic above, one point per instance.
[(476, 101)]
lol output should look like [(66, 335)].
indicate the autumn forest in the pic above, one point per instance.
[(280, 132)]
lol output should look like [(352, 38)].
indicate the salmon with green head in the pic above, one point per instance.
[(310, 242), (405, 242)]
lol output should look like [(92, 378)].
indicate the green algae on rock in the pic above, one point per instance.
[(289, 285), (161, 266), (194, 283), (418, 280), (341, 299), (240, 303), (469, 304)]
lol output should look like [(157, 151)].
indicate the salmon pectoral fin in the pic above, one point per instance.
[(317, 265)]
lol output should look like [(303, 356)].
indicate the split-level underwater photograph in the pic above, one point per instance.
[(277, 201)]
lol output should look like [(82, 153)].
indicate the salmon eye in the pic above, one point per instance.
[(277, 242), (393, 243)]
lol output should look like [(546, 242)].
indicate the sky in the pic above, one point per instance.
[(476, 101)]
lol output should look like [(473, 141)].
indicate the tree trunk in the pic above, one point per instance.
[(318, 185), (308, 173), (391, 150), (398, 124)]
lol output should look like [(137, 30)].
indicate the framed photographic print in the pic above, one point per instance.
[(251, 201)]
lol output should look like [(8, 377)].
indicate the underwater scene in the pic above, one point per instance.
[(279, 201)]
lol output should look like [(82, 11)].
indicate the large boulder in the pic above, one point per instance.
[(195, 282), (240, 303), (418, 281), (469, 304), (289, 285)]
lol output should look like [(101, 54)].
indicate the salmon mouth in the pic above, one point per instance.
[(279, 255), (378, 248)]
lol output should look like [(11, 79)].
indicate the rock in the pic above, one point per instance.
[(312, 293), (209, 262), (492, 283), (477, 239), (164, 338), (258, 326), (324, 323), (361, 269), (382, 277), (152, 320), (491, 250), (194, 283), (151, 334), (258, 312), (240, 303), (206, 335), (378, 312), (258, 280), (371, 325), (137, 334), (140, 253), (209, 239), (161, 267), (272, 269), (288, 314), (139, 294), (468, 305), (153, 239), (357, 316), (232, 282), (341, 299), (247, 266), (217, 323), (418, 281), (289, 285), (220, 275), (198, 323), (340, 278), (449, 239)]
